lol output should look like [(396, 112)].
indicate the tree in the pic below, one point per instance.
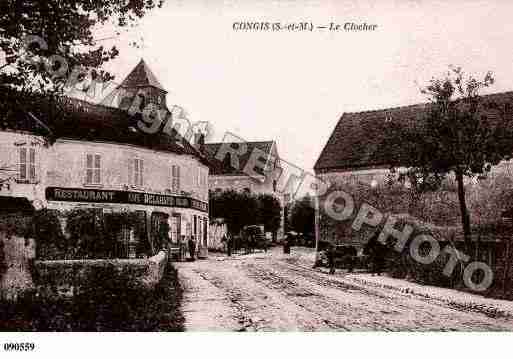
[(302, 215), (462, 135), (237, 209), (45, 41), (241, 209), (269, 212)]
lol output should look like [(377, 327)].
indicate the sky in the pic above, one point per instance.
[(292, 87)]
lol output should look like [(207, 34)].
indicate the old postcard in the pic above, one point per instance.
[(255, 166)]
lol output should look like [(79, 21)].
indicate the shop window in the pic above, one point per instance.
[(93, 169), (175, 179), (27, 164), (137, 172)]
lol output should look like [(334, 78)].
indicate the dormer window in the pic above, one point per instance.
[(142, 101)]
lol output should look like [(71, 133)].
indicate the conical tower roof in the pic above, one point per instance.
[(141, 76)]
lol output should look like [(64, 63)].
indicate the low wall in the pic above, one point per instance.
[(65, 278)]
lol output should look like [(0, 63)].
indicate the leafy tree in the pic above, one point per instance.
[(463, 135), (66, 28), (302, 215), (237, 209), (269, 212), (242, 209)]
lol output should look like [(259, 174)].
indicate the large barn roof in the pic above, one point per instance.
[(357, 139)]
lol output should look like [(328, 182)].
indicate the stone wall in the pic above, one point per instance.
[(487, 197), (65, 278)]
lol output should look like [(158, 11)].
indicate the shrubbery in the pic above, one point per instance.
[(109, 305), (239, 209), (89, 233)]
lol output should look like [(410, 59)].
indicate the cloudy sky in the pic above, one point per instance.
[(293, 86)]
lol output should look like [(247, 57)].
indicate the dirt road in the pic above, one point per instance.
[(274, 292)]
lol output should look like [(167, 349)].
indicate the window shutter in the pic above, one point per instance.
[(89, 169), (97, 167), (32, 164), (178, 178), (136, 172), (130, 172), (141, 169), (23, 164), (172, 178)]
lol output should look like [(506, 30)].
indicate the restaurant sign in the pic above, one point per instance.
[(122, 197)]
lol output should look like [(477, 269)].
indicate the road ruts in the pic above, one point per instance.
[(269, 293)]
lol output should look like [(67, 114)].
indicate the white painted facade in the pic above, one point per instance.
[(64, 165)]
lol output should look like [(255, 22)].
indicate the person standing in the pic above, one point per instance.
[(227, 238), (286, 243), (330, 253), (192, 247)]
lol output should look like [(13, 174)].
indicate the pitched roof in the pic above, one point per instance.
[(141, 76), (358, 136), (222, 167), (80, 120)]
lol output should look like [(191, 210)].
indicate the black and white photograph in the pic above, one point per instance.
[(242, 167)]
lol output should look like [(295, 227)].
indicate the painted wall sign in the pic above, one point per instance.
[(123, 197)]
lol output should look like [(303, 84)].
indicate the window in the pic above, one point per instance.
[(203, 178), (175, 178), (93, 169), (137, 178), (27, 164), (199, 177)]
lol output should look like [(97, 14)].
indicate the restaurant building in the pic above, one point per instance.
[(74, 154)]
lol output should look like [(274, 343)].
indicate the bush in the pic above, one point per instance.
[(112, 305), (51, 242), (402, 265)]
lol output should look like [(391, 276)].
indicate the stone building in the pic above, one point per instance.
[(73, 154), (354, 157)]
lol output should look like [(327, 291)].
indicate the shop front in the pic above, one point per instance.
[(144, 223)]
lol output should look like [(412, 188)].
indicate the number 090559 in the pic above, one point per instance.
[(19, 347)]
